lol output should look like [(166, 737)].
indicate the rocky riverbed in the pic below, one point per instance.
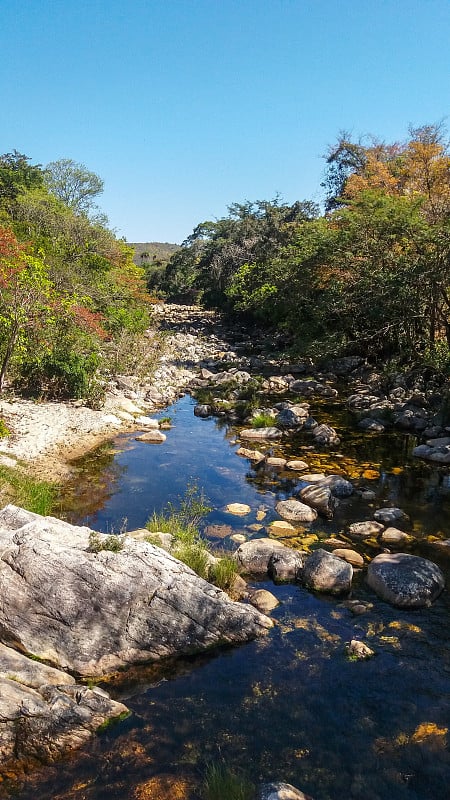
[(240, 378)]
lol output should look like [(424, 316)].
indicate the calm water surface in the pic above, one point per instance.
[(290, 706)]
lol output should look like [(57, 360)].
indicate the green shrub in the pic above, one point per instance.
[(262, 421), (221, 783)]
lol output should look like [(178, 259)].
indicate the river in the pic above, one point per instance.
[(290, 706)]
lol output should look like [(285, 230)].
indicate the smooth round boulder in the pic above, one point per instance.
[(202, 410), (295, 511), (274, 461), (349, 555), (325, 572), (264, 601), (404, 580), (260, 433), (297, 464), (282, 791), (394, 537), (285, 565), (254, 556)]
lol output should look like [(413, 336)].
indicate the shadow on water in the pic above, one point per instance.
[(290, 706)]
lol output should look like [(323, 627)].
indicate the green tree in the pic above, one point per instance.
[(74, 184), (17, 174)]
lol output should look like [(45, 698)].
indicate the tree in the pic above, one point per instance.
[(215, 251), (17, 174), (74, 184)]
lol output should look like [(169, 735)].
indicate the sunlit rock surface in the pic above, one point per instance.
[(94, 612), (404, 580)]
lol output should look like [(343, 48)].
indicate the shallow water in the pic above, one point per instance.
[(290, 706)]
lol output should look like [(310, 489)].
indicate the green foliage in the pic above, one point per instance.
[(97, 543), (112, 721), (182, 520), (222, 783), (27, 492), (17, 175), (73, 184), (73, 305), (214, 252), (262, 420), (189, 547), (195, 555)]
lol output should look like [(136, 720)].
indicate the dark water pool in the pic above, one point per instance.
[(290, 706)]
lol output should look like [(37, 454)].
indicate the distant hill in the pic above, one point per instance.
[(146, 253)]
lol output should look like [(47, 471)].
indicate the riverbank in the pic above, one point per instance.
[(46, 436)]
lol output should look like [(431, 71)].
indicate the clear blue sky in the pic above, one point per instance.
[(185, 106)]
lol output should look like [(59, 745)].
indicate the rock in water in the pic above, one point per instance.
[(325, 572), (320, 498), (295, 511), (105, 610), (404, 580), (282, 791)]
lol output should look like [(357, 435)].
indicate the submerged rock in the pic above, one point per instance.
[(294, 511), (264, 601), (389, 515), (104, 610), (404, 580), (240, 509), (41, 721)]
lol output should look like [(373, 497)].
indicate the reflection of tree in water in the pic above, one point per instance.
[(95, 480)]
